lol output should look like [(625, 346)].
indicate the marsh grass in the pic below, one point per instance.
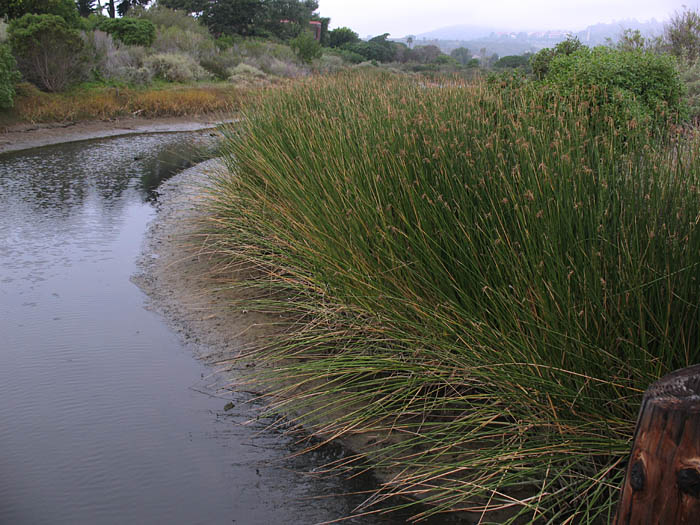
[(487, 279), (101, 103)]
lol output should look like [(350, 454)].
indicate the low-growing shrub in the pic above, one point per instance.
[(48, 50), (329, 64), (108, 59), (220, 65), (173, 67), (8, 77), (176, 40), (131, 31), (245, 73), (284, 69)]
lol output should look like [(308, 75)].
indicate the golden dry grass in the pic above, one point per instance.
[(32, 105)]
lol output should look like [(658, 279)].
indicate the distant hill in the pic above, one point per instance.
[(505, 42), (459, 32)]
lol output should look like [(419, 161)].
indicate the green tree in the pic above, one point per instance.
[(343, 35), (378, 48), (66, 9), (125, 5), (513, 62), (190, 6), (461, 55), (48, 50), (85, 7), (8, 76), (682, 35)]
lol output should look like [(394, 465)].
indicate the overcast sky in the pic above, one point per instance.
[(403, 17)]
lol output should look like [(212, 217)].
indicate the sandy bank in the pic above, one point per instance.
[(181, 282), (26, 136)]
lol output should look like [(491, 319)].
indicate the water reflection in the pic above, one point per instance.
[(102, 419)]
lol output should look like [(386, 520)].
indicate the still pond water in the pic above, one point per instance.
[(103, 418)]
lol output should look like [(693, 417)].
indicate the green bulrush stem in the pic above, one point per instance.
[(492, 275)]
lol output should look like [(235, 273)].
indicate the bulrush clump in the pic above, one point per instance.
[(498, 345)]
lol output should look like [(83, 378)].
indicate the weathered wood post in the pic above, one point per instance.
[(662, 484)]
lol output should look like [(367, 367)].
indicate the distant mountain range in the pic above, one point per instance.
[(506, 42)]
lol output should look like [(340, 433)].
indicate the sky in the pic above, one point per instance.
[(404, 17)]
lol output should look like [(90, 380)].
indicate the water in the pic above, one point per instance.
[(102, 415)]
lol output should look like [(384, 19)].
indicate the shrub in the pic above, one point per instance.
[(176, 40), (631, 84), (8, 77), (219, 65), (329, 63), (284, 69), (167, 18), (175, 67), (246, 71), (306, 47), (131, 31), (66, 9), (540, 61), (48, 51), (109, 59)]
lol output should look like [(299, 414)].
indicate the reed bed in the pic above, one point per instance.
[(32, 105), (484, 279)]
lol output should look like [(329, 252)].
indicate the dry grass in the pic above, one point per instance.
[(32, 105)]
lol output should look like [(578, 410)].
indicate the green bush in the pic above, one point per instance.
[(131, 31), (631, 84), (540, 61), (48, 50), (306, 47), (66, 9), (8, 77)]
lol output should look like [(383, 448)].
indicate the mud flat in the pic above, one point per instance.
[(26, 136)]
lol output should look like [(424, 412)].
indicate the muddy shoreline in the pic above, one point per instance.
[(26, 136), (181, 282)]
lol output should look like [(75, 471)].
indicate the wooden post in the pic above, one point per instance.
[(662, 484)]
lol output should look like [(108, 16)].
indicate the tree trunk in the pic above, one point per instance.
[(111, 10), (662, 484)]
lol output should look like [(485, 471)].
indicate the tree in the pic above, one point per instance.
[(85, 7), (8, 76), (48, 50), (66, 9), (343, 35), (279, 18), (461, 55), (190, 6), (682, 35), (125, 5), (409, 40), (513, 62)]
